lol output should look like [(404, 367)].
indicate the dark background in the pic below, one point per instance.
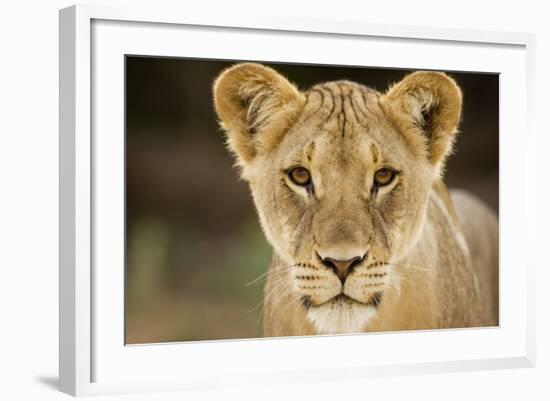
[(192, 237)]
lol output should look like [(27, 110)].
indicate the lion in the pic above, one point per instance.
[(347, 184)]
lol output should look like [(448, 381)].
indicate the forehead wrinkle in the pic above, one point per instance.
[(367, 104), (356, 108), (322, 135), (313, 108), (360, 115), (384, 151), (309, 149), (335, 119), (301, 153), (375, 152), (350, 115), (323, 108), (331, 100)]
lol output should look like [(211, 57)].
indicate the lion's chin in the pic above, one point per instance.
[(341, 315)]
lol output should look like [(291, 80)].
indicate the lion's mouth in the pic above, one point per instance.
[(343, 314), (342, 298)]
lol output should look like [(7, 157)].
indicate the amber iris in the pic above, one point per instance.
[(383, 177), (300, 176)]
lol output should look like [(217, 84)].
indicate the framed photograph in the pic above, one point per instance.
[(264, 200)]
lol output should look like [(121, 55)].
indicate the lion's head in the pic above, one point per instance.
[(340, 175)]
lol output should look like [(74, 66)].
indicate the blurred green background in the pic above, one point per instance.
[(193, 241)]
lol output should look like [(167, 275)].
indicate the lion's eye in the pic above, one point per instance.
[(384, 176), (300, 176)]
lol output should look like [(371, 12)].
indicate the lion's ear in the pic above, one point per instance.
[(426, 107), (256, 106)]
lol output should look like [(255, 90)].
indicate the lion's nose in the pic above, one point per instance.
[(342, 268)]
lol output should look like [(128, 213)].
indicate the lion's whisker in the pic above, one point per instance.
[(284, 292), (266, 274), (416, 267), (277, 285)]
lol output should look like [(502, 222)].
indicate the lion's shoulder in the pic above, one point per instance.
[(442, 195)]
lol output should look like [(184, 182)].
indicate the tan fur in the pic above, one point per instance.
[(425, 265)]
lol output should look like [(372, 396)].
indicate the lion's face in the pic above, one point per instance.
[(341, 199), (340, 189)]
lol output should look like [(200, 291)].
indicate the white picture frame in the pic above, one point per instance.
[(93, 357)]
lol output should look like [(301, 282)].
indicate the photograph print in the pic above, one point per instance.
[(274, 199)]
